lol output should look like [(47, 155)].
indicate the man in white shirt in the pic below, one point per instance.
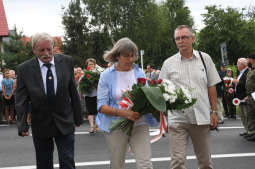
[(186, 69), (241, 92)]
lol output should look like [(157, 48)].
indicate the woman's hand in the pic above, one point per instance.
[(131, 115)]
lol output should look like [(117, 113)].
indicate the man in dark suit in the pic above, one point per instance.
[(151, 73), (223, 72), (241, 92), (47, 81)]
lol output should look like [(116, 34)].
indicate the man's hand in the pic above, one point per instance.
[(214, 120), (235, 81)]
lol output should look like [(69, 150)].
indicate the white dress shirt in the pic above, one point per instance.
[(44, 70)]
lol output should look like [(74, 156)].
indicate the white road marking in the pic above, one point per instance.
[(3, 125), (96, 163), (153, 132)]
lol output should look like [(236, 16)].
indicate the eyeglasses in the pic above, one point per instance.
[(182, 38)]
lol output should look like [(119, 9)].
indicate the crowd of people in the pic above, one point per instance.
[(7, 96), (235, 88), (48, 83)]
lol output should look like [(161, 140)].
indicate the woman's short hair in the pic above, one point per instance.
[(91, 60), (41, 36), (123, 47)]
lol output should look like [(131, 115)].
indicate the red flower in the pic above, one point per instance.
[(88, 68), (159, 81), (88, 76), (141, 81), (231, 90), (153, 82)]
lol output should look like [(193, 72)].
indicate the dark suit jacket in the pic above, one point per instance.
[(46, 117), (240, 87)]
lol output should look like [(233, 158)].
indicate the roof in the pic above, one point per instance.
[(3, 21), (57, 43)]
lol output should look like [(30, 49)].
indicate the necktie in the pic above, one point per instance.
[(49, 83)]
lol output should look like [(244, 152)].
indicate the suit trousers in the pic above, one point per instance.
[(139, 142), (251, 116), (44, 148), (200, 136), (243, 115)]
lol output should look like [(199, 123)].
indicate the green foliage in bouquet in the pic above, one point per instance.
[(89, 81), (146, 99)]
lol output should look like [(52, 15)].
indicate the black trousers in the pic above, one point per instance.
[(44, 148)]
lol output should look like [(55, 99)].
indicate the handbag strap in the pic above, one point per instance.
[(203, 62)]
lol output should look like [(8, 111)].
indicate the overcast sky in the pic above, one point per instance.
[(34, 16)]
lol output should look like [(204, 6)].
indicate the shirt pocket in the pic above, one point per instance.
[(201, 75)]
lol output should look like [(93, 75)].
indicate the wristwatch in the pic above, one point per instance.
[(214, 111)]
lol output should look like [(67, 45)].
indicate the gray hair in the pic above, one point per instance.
[(244, 61), (184, 26), (124, 46), (41, 36)]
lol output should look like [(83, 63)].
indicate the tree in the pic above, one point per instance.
[(171, 14), (16, 51), (230, 26), (148, 24), (76, 39)]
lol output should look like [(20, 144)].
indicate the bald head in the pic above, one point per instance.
[(242, 63)]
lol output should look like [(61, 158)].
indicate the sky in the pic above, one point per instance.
[(33, 16)]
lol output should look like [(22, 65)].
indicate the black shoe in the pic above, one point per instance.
[(251, 138), (248, 135), (243, 134)]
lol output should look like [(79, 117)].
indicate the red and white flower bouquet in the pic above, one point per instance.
[(143, 99)]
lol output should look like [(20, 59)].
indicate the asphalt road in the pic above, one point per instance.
[(229, 150)]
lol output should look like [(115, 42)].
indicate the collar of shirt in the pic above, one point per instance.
[(41, 63), (195, 55), (241, 73), (112, 68)]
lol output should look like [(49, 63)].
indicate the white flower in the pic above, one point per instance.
[(166, 96), (173, 97), (168, 86), (186, 93)]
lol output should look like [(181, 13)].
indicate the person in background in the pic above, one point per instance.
[(250, 92), (47, 82), (223, 72), (152, 74), (229, 94), (219, 89), (91, 99), (13, 76), (186, 68), (122, 75), (1, 96), (240, 91), (8, 88)]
